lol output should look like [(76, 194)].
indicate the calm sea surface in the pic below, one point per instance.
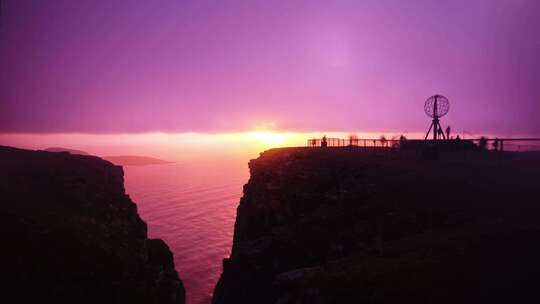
[(192, 206)]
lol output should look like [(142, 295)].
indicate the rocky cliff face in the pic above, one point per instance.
[(341, 225), (72, 235)]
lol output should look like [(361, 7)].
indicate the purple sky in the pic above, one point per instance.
[(223, 66)]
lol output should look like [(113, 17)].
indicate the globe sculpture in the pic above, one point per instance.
[(435, 107)]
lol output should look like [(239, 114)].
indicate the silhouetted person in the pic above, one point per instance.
[(496, 144), (353, 140), (383, 141), (482, 144), (458, 138), (402, 140), (448, 132), (324, 142)]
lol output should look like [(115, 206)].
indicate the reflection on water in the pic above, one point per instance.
[(192, 206)]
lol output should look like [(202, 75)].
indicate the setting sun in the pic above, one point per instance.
[(269, 139)]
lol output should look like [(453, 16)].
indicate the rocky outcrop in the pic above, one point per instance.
[(72, 235), (342, 225)]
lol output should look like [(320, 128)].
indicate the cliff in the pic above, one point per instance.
[(340, 225), (72, 235)]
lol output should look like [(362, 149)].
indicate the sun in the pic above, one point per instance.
[(268, 139)]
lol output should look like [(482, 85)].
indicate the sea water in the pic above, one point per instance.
[(192, 207)]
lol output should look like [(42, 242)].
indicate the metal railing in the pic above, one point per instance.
[(509, 144), (356, 142), (500, 144)]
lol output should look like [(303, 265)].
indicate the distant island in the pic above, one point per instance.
[(120, 160), (134, 160), (70, 151)]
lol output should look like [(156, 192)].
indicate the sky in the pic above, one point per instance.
[(215, 67)]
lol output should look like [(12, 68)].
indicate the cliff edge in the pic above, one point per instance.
[(341, 225), (72, 234)]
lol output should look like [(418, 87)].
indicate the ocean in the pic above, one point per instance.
[(192, 206)]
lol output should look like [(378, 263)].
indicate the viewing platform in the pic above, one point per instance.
[(498, 144)]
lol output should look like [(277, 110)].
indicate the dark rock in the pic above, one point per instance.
[(339, 225), (72, 235)]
